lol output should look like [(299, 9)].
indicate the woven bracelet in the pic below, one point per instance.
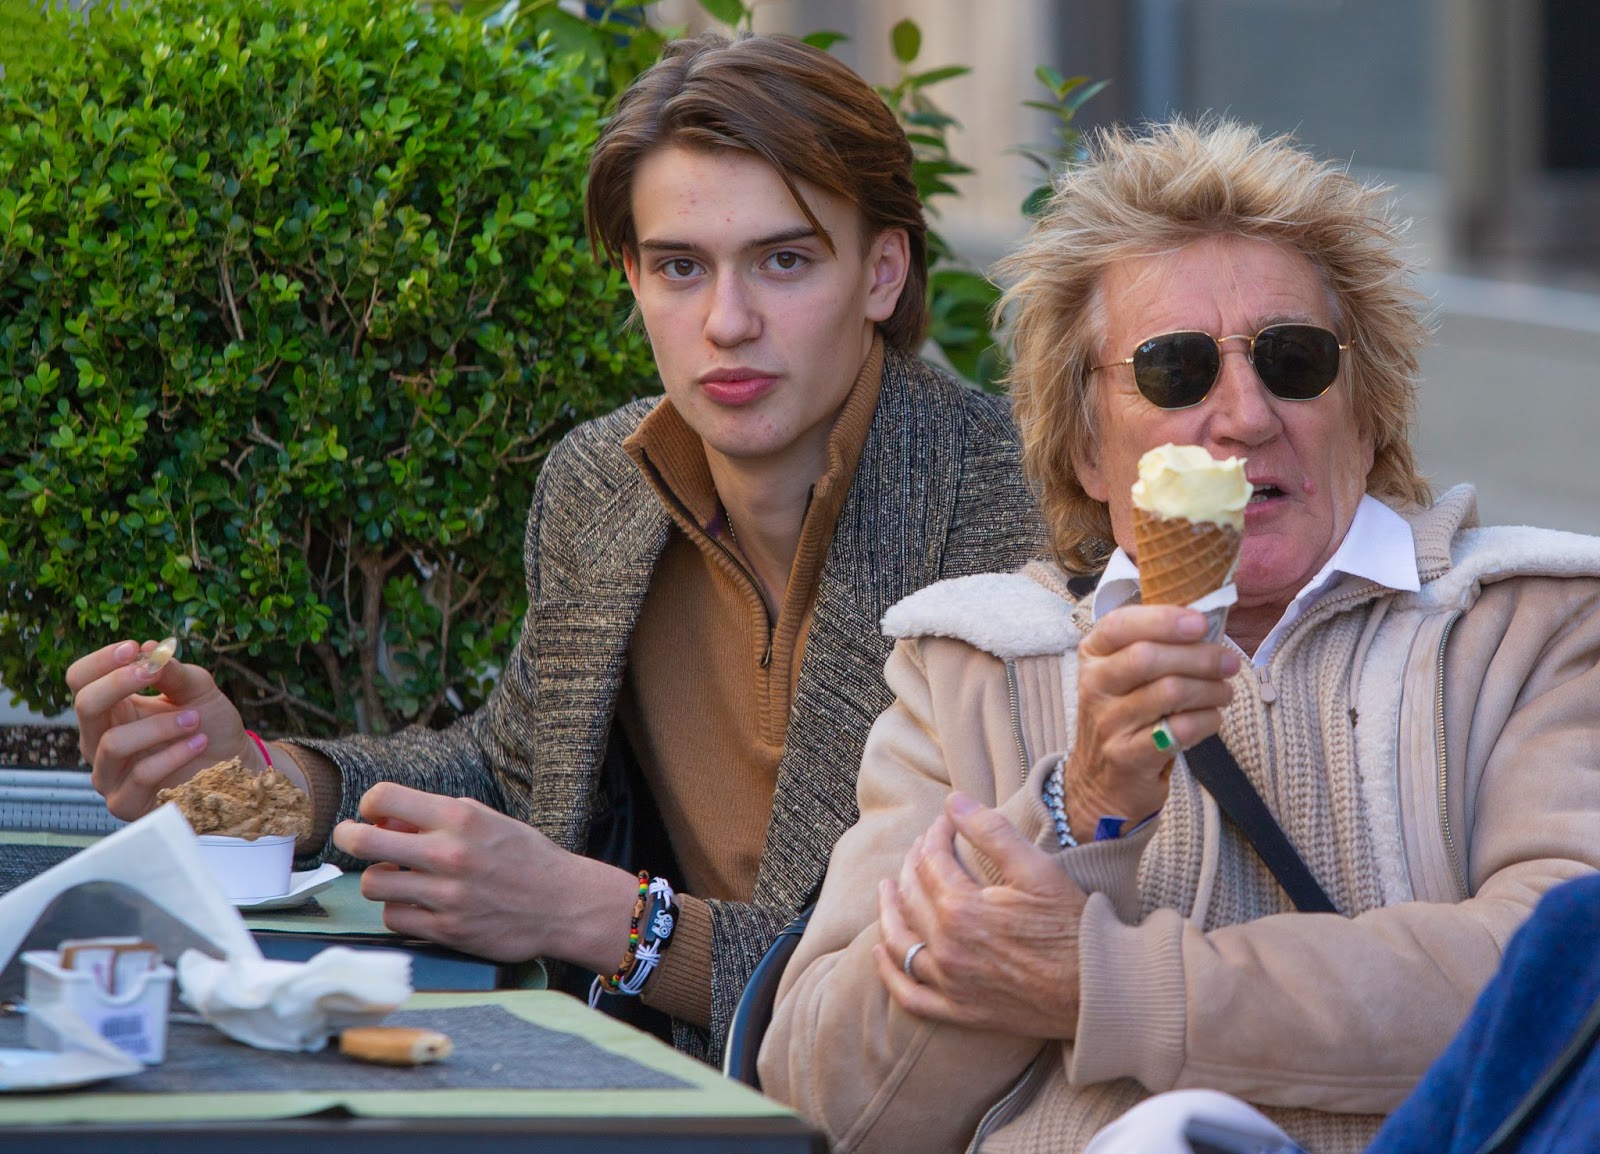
[(655, 933), (655, 915)]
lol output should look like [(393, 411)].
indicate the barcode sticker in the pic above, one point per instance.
[(128, 1032)]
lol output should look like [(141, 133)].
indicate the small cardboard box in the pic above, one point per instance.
[(134, 1019)]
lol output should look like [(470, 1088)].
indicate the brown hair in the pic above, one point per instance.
[(794, 106), (1143, 193)]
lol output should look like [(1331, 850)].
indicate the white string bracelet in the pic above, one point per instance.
[(654, 922)]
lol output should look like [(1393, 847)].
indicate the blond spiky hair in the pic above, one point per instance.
[(1156, 190)]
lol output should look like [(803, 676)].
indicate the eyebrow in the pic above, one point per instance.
[(783, 236)]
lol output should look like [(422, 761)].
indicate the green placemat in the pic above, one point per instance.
[(38, 837), (347, 912)]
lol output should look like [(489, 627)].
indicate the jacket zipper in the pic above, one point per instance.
[(740, 566), (1007, 1107), (1443, 766), (1015, 697)]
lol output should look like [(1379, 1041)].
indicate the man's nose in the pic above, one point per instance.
[(732, 318), (1243, 411)]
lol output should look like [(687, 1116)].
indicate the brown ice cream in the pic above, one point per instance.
[(227, 799)]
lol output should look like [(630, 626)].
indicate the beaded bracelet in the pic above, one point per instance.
[(614, 982), (658, 925), (655, 914)]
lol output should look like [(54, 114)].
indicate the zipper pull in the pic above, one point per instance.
[(766, 654), (1264, 686)]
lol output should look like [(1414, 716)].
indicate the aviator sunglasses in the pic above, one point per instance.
[(1176, 370)]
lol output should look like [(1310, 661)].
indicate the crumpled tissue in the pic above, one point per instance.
[(276, 1005)]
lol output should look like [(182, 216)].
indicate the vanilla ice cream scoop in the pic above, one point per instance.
[(1186, 482), (1188, 525)]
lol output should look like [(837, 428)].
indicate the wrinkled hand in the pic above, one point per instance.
[(1139, 664), (136, 743), (997, 957), (454, 871)]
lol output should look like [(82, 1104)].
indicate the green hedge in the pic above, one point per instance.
[(293, 301)]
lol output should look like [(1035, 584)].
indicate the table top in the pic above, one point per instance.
[(339, 915), (531, 1070)]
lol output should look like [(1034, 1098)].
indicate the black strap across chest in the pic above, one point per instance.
[(1214, 767)]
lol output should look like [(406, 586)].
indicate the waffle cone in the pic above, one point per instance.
[(1180, 561)]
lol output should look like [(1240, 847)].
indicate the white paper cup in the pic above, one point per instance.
[(249, 871)]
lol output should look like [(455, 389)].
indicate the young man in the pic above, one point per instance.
[(701, 658)]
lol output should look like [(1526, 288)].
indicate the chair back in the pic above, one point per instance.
[(754, 1012)]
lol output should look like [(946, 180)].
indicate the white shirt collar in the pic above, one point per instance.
[(1378, 547)]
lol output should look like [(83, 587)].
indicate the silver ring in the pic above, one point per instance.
[(1163, 737), (910, 955)]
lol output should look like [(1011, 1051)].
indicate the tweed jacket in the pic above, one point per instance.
[(1432, 755), (938, 492)]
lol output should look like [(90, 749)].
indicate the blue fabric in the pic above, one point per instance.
[(1545, 986), (1110, 828)]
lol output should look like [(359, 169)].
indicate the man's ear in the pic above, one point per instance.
[(888, 263), (630, 269), (1086, 467)]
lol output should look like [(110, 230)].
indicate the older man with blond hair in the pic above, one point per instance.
[(1042, 917)]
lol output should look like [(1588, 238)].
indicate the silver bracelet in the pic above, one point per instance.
[(1055, 800)]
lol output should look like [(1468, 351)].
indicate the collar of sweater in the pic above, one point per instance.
[(1030, 612)]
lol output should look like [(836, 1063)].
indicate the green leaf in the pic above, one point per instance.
[(1084, 95), (275, 362), (1037, 201), (730, 12), (824, 40), (935, 75), (906, 40)]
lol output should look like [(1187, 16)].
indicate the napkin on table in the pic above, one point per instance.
[(276, 1005)]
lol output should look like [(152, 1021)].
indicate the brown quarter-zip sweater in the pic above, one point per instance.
[(711, 676)]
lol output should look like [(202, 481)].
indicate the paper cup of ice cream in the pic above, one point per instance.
[(249, 870), (247, 825)]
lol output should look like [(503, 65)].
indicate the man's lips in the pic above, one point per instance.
[(1265, 485), (1264, 496), (736, 386)]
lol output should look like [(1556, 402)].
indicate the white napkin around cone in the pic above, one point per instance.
[(275, 1005)]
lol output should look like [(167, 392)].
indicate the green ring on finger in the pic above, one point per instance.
[(1162, 736)]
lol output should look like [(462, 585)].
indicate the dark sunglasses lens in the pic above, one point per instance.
[(1176, 370), (1297, 362)]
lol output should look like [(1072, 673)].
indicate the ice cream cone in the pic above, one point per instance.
[(1180, 561)]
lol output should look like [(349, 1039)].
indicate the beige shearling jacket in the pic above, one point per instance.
[(1435, 757)]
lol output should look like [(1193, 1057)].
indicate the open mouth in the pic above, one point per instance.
[(1264, 493)]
